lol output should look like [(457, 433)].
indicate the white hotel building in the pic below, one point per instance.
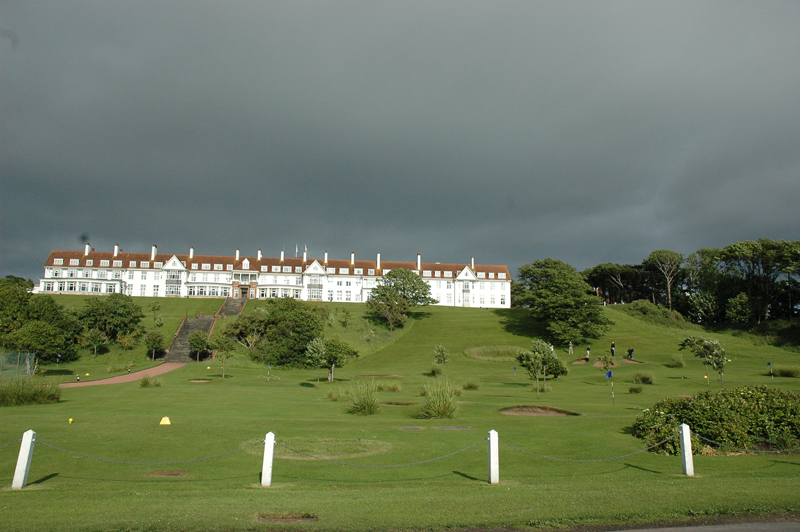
[(166, 275)]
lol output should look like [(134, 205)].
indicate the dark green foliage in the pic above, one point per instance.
[(14, 299), (364, 399), (149, 382), (635, 389), (744, 418), (337, 354), (440, 401), (787, 371), (198, 341), (154, 341), (558, 294), (655, 313), (643, 377), (409, 286), (28, 390), (676, 362), (471, 385), (738, 309), (114, 315), (279, 332), (43, 339), (436, 370), (386, 303)]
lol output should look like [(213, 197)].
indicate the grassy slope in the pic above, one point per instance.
[(121, 422)]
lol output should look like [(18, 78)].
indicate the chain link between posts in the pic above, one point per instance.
[(381, 466), (747, 450), (595, 460), (150, 463), (10, 443)]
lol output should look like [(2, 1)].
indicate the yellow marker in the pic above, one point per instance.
[(87, 374), (165, 421), (70, 420), (209, 367)]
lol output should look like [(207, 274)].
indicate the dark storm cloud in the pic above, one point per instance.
[(508, 131)]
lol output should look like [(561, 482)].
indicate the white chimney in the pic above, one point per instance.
[(326, 256), (419, 261), (191, 252), (116, 250), (153, 251), (305, 256), (473, 263), (379, 261), (237, 253), (259, 254), (352, 258), (281, 255), (87, 248)]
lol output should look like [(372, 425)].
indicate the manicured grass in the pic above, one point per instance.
[(121, 422)]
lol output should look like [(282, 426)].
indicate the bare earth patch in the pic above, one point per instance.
[(287, 519), (629, 361), (412, 428), (452, 428), (381, 376), (395, 403), (535, 410), (580, 361), (167, 473), (599, 364), (199, 380)]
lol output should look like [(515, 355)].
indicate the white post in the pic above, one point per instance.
[(24, 461), (494, 458), (686, 450), (266, 468)]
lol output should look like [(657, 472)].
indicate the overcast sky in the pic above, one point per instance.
[(509, 131)]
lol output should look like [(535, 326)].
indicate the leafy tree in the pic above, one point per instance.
[(337, 353), (710, 351), (387, 303), (154, 341), (738, 309), (279, 332), (531, 360), (607, 361), (155, 306), (669, 264), (14, 299), (43, 339), (198, 341), (703, 307), (616, 281), (558, 294), (93, 338), (315, 354), (114, 315), (519, 294), (441, 355), (409, 286), (224, 346), (347, 316)]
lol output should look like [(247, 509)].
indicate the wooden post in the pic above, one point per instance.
[(686, 450), (494, 458), (266, 468), (24, 461)]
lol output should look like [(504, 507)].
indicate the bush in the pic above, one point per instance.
[(471, 385), (676, 362), (338, 393), (635, 389), (393, 387), (493, 352), (365, 402), (149, 382), (655, 313), (643, 377), (28, 390), (440, 401), (117, 368), (436, 370), (787, 371), (743, 418)]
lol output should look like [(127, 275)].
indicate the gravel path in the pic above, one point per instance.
[(129, 377)]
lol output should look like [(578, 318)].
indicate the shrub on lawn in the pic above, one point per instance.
[(28, 390), (744, 418), (637, 388), (677, 361), (643, 377), (436, 370), (337, 393), (493, 352), (471, 385), (393, 387), (365, 400), (440, 402), (149, 382), (787, 371)]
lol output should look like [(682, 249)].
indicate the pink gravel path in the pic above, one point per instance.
[(129, 377)]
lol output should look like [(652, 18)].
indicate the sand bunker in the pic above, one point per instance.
[(629, 361), (599, 364), (580, 361), (534, 410), (167, 473)]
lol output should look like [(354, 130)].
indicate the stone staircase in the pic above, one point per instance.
[(179, 350), (232, 307)]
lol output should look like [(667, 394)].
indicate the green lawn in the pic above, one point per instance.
[(120, 422)]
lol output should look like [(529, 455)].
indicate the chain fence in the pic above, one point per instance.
[(381, 466), (149, 463), (781, 451), (10, 443), (590, 461), (15, 364)]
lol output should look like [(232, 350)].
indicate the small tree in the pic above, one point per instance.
[(532, 362), (441, 355), (155, 306), (337, 353), (224, 347), (198, 341), (346, 317), (93, 338), (607, 363), (387, 303), (738, 309), (154, 341), (127, 341), (315, 354), (710, 351)]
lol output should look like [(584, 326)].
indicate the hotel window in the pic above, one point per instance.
[(491, 275), (143, 290), (481, 275), (95, 287), (117, 274), (298, 269), (192, 277), (216, 277), (297, 294), (158, 265), (143, 264), (298, 280), (58, 262), (61, 287), (370, 272), (491, 300), (174, 275), (330, 270), (347, 295), (358, 271), (84, 287), (219, 267), (285, 292), (501, 275), (132, 264), (89, 262), (224, 292), (449, 285), (448, 274), (482, 300), (71, 286), (287, 269), (330, 295), (194, 266), (338, 295), (315, 293), (347, 283), (74, 262), (155, 290), (262, 292), (48, 287), (273, 292), (117, 263), (173, 290), (338, 283), (287, 280), (437, 273), (130, 275), (426, 273), (263, 268), (229, 267), (344, 270), (103, 263), (449, 298), (502, 299), (110, 288), (144, 276), (71, 273), (206, 266), (156, 275)]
